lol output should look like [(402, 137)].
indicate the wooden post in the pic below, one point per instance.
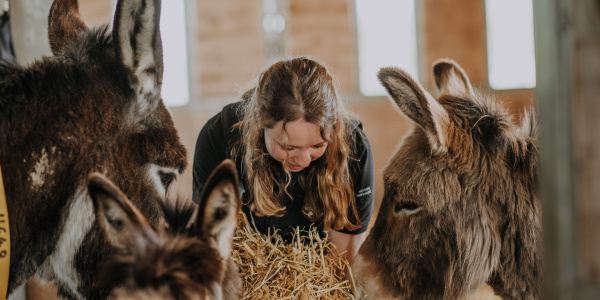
[(567, 43)]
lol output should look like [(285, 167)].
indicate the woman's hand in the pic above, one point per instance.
[(347, 242)]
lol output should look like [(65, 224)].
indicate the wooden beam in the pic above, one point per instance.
[(559, 84)]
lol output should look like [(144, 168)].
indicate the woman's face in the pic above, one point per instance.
[(304, 143)]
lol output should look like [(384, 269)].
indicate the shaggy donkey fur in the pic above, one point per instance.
[(94, 106), (460, 206), (192, 261)]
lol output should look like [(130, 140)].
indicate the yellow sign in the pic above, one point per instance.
[(4, 242)]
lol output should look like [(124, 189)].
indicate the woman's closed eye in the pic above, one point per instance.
[(319, 146)]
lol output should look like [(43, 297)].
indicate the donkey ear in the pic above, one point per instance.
[(117, 217), (138, 45), (450, 78), (417, 104), (64, 24), (215, 219)]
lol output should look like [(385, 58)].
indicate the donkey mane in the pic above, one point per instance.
[(177, 214), (492, 130), (90, 46)]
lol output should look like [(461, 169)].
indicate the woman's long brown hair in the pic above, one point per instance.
[(289, 90)]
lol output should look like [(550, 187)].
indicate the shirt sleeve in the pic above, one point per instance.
[(209, 152), (362, 169)]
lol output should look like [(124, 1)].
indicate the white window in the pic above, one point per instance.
[(387, 36), (175, 89), (511, 53)]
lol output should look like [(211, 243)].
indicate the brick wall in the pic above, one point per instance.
[(322, 30), (227, 43), (455, 29)]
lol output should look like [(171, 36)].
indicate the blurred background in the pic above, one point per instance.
[(214, 49)]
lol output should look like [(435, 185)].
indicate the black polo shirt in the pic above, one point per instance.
[(214, 144)]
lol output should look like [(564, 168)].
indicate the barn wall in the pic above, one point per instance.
[(227, 46)]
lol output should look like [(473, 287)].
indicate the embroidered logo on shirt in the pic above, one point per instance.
[(364, 192)]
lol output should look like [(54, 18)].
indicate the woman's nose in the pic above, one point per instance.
[(304, 158)]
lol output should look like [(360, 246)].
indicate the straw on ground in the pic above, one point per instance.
[(307, 268)]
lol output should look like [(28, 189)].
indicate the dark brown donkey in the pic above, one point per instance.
[(460, 206), (95, 105), (189, 261)]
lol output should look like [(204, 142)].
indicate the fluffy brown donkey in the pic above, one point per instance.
[(460, 206), (188, 260), (94, 106)]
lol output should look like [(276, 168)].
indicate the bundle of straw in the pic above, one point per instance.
[(308, 268)]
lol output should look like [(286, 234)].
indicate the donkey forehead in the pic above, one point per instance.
[(417, 171), (476, 119), (188, 262), (413, 157)]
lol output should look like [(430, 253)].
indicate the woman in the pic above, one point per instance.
[(302, 160)]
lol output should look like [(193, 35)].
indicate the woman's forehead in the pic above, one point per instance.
[(298, 133)]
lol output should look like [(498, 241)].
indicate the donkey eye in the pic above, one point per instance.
[(407, 207), (166, 179)]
